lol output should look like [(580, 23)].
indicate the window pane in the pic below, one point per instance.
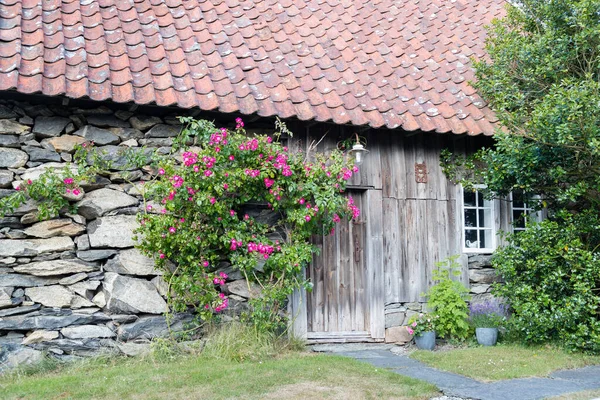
[(480, 202), (485, 218), (471, 241), (485, 237), (518, 201), (471, 217), (469, 198), (518, 219)]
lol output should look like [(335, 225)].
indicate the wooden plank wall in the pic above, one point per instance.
[(417, 223)]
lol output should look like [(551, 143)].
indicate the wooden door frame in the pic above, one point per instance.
[(374, 284)]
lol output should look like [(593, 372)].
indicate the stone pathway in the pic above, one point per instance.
[(385, 356)]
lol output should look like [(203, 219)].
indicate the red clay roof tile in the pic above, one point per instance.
[(400, 65)]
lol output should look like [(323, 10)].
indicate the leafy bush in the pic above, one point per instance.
[(552, 281), (447, 298), (487, 314)]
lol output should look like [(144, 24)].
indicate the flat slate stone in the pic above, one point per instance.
[(98, 202), (6, 178), (55, 227), (40, 336), (152, 327), (42, 155), (33, 247), (18, 280), (51, 296), (12, 158), (113, 231), (163, 131), (130, 295), (15, 355), (107, 121), (95, 255), (63, 143), (127, 133), (132, 262), (55, 267), (87, 332), (50, 126), (10, 141), (36, 172), (144, 122), (49, 322), (8, 127), (19, 310), (97, 135)]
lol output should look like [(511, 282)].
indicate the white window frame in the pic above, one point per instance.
[(494, 227), (530, 213)]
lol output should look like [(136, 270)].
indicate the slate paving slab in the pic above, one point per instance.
[(462, 387)]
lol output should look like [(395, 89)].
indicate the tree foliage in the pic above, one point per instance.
[(543, 84), (542, 80)]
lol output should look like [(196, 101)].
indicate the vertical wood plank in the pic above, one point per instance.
[(375, 294), (420, 152), (359, 268), (404, 241), (431, 244), (332, 286), (391, 250), (344, 261), (373, 159), (319, 286), (424, 261), (388, 169), (297, 309), (409, 167), (412, 285)]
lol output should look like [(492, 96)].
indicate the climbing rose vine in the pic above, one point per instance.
[(202, 216)]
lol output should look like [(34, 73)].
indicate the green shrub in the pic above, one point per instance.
[(447, 299), (552, 281)]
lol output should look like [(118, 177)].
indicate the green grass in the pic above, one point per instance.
[(234, 362), (585, 395), (292, 376), (504, 361)]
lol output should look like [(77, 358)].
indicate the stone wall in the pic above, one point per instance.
[(75, 285)]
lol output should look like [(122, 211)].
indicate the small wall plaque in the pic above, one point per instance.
[(421, 173)]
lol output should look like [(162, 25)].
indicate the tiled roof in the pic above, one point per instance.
[(396, 64)]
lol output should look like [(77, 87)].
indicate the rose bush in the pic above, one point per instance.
[(197, 219)]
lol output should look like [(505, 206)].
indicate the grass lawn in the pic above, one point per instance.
[(504, 361), (292, 376), (586, 395)]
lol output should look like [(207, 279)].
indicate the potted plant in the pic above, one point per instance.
[(423, 327), (487, 317)]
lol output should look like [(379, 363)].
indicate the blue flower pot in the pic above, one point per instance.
[(426, 340), (486, 336)]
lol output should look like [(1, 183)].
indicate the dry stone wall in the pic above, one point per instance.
[(75, 285)]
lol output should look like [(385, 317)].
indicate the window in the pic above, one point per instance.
[(522, 210), (478, 223)]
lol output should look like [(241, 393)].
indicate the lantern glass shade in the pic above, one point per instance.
[(359, 152)]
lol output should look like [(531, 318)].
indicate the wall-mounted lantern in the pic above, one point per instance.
[(358, 151)]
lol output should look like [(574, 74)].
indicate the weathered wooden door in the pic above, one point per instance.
[(340, 308)]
